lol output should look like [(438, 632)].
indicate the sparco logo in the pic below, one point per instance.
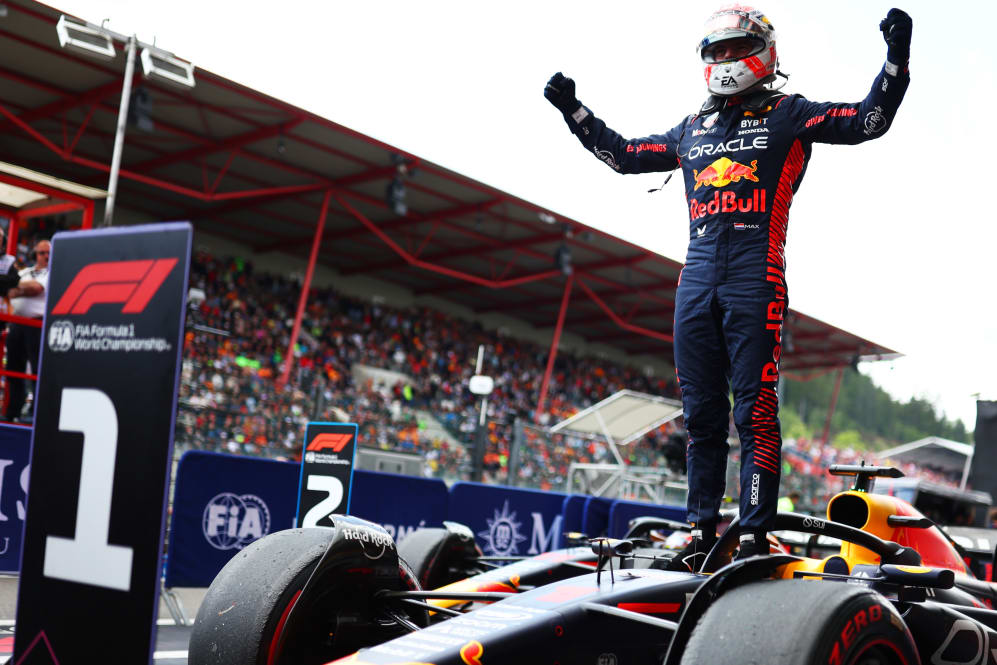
[(373, 543), (60, 336), (813, 523), (230, 522), (133, 283), (755, 479)]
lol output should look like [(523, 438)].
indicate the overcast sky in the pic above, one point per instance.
[(894, 240)]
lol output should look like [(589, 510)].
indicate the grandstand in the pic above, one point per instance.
[(405, 267)]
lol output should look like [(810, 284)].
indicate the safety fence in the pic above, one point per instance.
[(222, 502)]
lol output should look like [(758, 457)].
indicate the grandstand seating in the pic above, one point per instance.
[(229, 400)]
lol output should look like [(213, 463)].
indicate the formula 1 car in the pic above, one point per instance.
[(896, 593)]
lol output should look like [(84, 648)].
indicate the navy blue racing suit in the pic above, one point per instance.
[(743, 160)]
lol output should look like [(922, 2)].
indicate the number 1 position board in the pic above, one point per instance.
[(102, 444)]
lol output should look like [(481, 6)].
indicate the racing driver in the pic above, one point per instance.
[(743, 155)]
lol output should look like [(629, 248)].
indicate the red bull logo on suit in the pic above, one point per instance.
[(724, 171), (728, 202)]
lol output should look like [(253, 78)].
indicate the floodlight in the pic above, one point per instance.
[(396, 196), (562, 259), (481, 385), (84, 39), (140, 110), (167, 68)]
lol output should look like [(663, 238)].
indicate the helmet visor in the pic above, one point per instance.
[(732, 48)]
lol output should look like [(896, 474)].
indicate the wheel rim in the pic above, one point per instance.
[(879, 652), (274, 652)]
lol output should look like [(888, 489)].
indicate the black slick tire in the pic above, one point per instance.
[(243, 615), (801, 622)]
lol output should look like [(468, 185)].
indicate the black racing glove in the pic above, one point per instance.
[(560, 92), (896, 29)]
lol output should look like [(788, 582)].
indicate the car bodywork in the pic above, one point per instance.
[(631, 611)]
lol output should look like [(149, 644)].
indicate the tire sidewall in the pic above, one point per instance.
[(865, 622), (798, 622), (238, 616)]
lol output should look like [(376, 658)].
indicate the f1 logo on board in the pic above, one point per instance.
[(133, 283), (335, 442)]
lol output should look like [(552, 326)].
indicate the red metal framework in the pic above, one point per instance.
[(57, 201), (256, 170)]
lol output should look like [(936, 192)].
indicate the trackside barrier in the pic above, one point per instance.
[(224, 502), (621, 512), (508, 520), (572, 509), (221, 504), (15, 450), (401, 504), (595, 517)]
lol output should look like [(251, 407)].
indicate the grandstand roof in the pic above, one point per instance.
[(622, 418), (933, 451), (251, 168)]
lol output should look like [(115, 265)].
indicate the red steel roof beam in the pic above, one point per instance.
[(467, 251), (481, 281), (555, 341), (66, 104), (220, 146), (620, 322), (303, 300)]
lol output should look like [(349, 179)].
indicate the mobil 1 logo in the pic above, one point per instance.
[(102, 443), (326, 472)]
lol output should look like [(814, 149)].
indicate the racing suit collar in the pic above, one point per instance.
[(755, 101)]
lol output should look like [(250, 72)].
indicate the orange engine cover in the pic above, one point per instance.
[(869, 512)]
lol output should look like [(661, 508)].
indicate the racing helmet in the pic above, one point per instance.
[(738, 50)]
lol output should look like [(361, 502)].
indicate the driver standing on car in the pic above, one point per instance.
[(743, 156)]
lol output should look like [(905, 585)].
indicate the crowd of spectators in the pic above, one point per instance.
[(239, 328), (805, 462), (231, 400)]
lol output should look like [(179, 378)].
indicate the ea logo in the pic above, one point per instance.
[(60, 336), (231, 522)]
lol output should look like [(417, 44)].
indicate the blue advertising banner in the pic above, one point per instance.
[(572, 510), (221, 504), (508, 520), (621, 512), (401, 504), (595, 516), (15, 449), (224, 502)]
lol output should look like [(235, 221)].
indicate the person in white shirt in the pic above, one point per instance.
[(27, 299)]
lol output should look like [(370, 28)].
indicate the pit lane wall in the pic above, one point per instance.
[(224, 502)]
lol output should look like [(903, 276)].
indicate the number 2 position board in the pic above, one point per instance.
[(102, 445), (326, 472)]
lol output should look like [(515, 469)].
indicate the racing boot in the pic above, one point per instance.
[(753, 543), (693, 555)]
